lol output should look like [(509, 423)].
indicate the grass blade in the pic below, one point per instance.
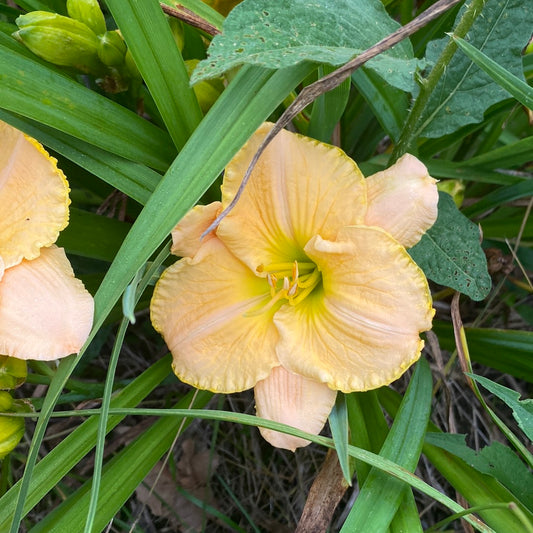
[(338, 422), (518, 88), (381, 495), (65, 455), (121, 475)]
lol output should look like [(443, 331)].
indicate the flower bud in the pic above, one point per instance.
[(206, 91), (11, 428), (131, 66), (455, 188), (88, 12), (112, 48), (60, 40), (13, 372)]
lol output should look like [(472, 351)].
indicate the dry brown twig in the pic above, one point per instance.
[(329, 82), (182, 13)]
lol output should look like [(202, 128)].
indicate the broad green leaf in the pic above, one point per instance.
[(450, 252), (465, 92), (518, 88), (496, 460), (57, 463), (32, 90), (381, 495), (147, 33), (280, 34), (522, 409), (506, 350)]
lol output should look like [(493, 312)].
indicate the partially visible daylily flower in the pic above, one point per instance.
[(306, 287), (45, 312)]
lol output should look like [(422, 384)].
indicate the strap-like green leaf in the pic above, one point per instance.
[(29, 88), (157, 57)]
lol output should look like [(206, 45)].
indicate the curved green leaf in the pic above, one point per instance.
[(158, 58), (517, 87)]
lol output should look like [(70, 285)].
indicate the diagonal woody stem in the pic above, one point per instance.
[(329, 82)]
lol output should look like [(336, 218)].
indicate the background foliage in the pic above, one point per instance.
[(140, 147)]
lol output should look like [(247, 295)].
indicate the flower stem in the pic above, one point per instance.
[(412, 127)]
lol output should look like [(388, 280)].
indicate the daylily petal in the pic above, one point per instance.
[(199, 306), (299, 188), (36, 192), (403, 200), (186, 236), (360, 330), (294, 400), (45, 312)]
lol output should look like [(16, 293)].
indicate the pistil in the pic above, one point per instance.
[(299, 280)]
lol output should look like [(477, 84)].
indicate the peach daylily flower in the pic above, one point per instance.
[(45, 312), (306, 287)]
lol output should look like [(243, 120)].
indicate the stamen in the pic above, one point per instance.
[(292, 290), (277, 297), (272, 280), (295, 271), (299, 280)]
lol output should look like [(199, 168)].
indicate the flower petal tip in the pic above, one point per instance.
[(403, 200), (293, 400), (187, 235)]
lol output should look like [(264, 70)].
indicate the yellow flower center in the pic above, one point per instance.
[(290, 281)]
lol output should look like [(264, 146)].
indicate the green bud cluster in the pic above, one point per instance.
[(206, 91), (60, 40), (80, 41), (13, 373)]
